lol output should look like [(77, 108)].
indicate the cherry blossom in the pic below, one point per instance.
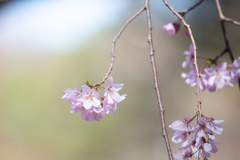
[(182, 125), (185, 155), (90, 104), (202, 142), (235, 70), (219, 77), (92, 114), (111, 92), (211, 78), (70, 94), (89, 97), (171, 28), (214, 126), (112, 108), (191, 79), (189, 57), (76, 107), (181, 136)]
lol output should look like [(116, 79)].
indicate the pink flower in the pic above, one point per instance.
[(214, 126), (76, 107), (90, 104), (201, 128), (204, 136), (206, 146), (181, 136), (112, 108), (191, 79), (189, 57), (202, 143), (195, 151), (70, 94), (182, 125), (111, 94), (171, 28), (235, 70), (92, 114), (218, 78), (185, 155), (89, 97)]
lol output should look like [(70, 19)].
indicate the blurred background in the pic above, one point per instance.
[(49, 46)]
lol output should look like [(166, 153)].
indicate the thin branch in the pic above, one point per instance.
[(222, 17), (156, 85), (114, 44), (222, 20), (227, 44), (218, 56), (195, 53), (191, 8), (231, 21)]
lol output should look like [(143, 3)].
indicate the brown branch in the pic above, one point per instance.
[(156, 85), (214, 61), (231, 21), (145, 7), (222, 20), (227, 44), (195, 53), (222, 17), (114, 44), (191, 8)]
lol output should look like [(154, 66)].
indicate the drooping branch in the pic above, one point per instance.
[(150, 41), (114, 44), (195, 53), (156, 85)]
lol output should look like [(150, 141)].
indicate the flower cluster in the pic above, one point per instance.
[(211, 78), (91, 104), (202, 142)]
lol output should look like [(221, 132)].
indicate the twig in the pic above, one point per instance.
[(231, 21), (195, 53), (156, 85), (191, 8), (114, 44), (227, 45), (222, 17), (218, 56)]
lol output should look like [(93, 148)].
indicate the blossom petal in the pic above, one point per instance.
[(207, 147)]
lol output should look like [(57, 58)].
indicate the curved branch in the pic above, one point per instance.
[(195, 53), (114, 44)]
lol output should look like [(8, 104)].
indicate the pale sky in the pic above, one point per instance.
[(55, 25)]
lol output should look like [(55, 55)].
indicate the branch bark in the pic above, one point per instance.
[(191, 8), (114, 44), (195, 53), (156, 84)]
